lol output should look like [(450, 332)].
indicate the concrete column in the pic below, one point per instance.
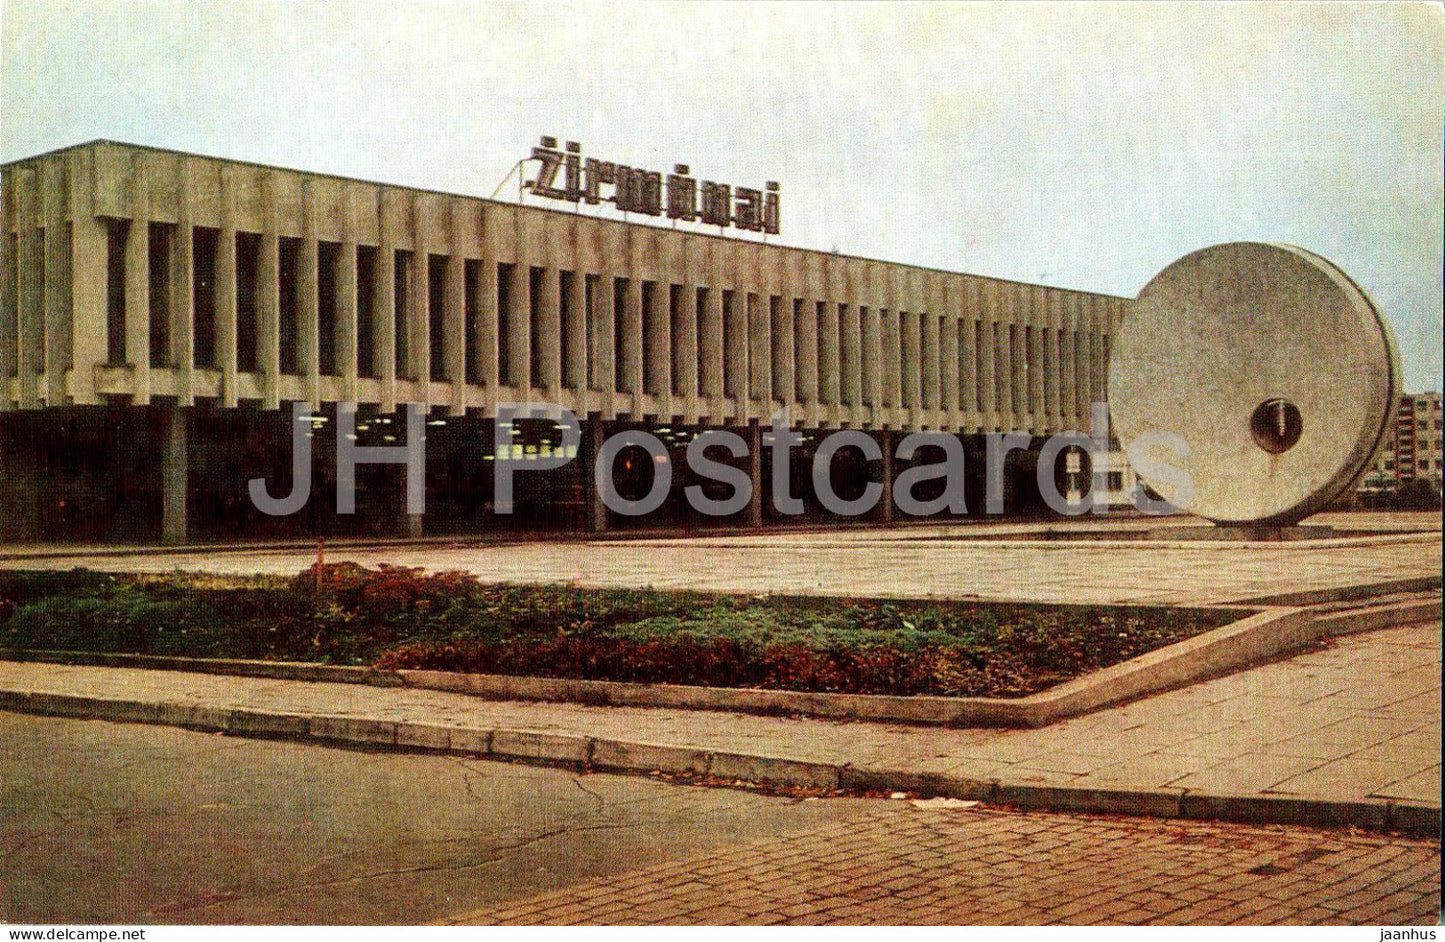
[(1033, 336), (89, 273), (735, 335), (873, 367), (912, 364), (549, 331), (56, 302), (685, 350), (1098, 324), (951, 398), (712, 347), (1083, 373), (89, 245), (968, 371), (519, 329), (486, 327), (574, 374), (596, 510), (175, 475), (658, 324), (30, 289), (1067, 383), (851, 358), (383, 315), (886, 511), (1016, 390), (603, 334), (783, 370), (408, 526), (138, 297), (268, 296), (931, 397), (347, 316), (755, 474), (9, 314), (760, 352), (308, 317), (988, 353), (807, 353), (831, 365), (183, 287), (456, 320), (1002, 376), (226, 309), (632, 341), (418, 305)]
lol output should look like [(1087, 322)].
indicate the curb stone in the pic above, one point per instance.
[(580, 752)]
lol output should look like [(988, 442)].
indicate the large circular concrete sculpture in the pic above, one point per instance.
[(1273, 367)]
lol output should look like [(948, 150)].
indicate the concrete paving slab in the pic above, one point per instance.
[(947, 562)]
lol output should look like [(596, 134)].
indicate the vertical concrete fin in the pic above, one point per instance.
[(226, 289)]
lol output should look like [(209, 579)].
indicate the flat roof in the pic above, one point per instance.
[(544, 209)]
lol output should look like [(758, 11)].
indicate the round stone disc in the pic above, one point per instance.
[(1271, 365)]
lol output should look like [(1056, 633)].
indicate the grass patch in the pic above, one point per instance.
[(396, 617)]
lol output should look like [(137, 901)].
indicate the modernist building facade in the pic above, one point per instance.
[(160, 311), (1412, 449)]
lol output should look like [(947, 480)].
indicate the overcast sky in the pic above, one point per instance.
[(1080, 145)]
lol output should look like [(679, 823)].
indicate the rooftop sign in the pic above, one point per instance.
[(564, 175)]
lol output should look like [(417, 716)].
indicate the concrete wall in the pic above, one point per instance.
[(101, 258)]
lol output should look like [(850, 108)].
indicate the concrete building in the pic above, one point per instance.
[(1413, 449), (160, 310)]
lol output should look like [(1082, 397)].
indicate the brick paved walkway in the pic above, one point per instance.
[(950, 561), (897, 864)]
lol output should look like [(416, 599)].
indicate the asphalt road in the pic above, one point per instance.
[(120, 824), (111, 823)]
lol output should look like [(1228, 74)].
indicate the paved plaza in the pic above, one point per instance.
[(925, 866), (996, 561), (304, 832)]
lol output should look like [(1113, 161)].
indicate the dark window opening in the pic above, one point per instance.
[(534, 327), (204, 243), (436, 280), (676, 319), (589, 302), (619, 334), (290, 305), (401, 292), (1013, 364), (820, 346), (800, 391), (730, 330), (366, 261), (650, 379), (775, 331), (328, 317), (700, 315), (159, 247), (566, 282), (115, 237), (1046, 342), (471, 287), (248, 271), (505, 273)]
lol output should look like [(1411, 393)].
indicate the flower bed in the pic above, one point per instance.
[(396, 617)]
